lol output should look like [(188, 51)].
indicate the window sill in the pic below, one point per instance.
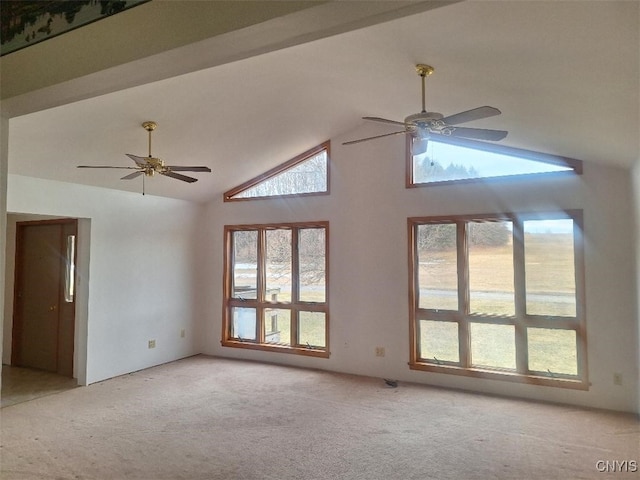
[(309, 352), (574, 384)]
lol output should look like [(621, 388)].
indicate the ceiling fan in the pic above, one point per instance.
[(421, 126), (150, 165)]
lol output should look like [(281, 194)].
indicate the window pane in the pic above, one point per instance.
[(277, 326), (312, 264), (70, 270), (245, 263), (278, 265), (439, 341), (437, 266), (244, 323), (549, 267), (309, 176), (491, 289), (443, 162), (552, 350), (493, 345), (311, 329)]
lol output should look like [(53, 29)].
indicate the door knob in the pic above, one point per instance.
[(52, 308)]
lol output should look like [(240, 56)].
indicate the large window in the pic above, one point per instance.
[(499, 296), (275, 290)]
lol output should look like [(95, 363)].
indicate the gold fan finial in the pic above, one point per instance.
[(149, 126), (424, 70)]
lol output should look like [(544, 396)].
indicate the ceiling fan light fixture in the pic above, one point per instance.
[(419, 144)]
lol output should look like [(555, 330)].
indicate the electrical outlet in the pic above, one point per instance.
[(379, 351), (182, 333), (152, 344), (617, 379)]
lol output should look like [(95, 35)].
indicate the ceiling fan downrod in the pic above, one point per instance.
[(424, 71), (149, 127)]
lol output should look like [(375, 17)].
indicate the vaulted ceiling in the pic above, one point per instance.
[(257, 86)]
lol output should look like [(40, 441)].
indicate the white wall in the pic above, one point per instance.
[(368, 209), (636, 206), (4, 163), (142, 266)]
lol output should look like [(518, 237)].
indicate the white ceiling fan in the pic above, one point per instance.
[(425, 125)]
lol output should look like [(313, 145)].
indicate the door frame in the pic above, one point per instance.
[(18, 272)]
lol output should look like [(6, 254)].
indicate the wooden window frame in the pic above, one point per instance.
[(521, 320), (531, 155), (260, 303), (229, 195)]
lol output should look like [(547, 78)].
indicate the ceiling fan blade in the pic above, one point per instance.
[(383, 120), (470, 115), (106, 166), (351, 142), (177, 176), (478, 133), (140, 161), (132, 175), (177, 168)]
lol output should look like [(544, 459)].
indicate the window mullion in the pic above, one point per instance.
[(519, 281), (295, 287), (261, 284), (581, 334), (464, 340), (414, 292)]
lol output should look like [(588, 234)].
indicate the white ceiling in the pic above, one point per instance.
[(564, 74)]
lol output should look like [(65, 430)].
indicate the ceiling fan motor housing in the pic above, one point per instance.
[(422, 119), (154, 165)]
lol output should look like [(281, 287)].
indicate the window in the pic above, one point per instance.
[(499, 296), (275, 289), (70, 270), (306, 174), (450, 160)]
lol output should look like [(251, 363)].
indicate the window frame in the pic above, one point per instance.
[(520, 320), (531, 155), (229, 195), (262, 305)]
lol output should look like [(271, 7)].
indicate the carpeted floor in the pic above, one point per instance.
[(211, 418)]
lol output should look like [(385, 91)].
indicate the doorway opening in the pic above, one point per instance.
[(44, 302)]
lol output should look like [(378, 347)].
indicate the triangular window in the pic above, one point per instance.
[(455, 160), (306, 174)]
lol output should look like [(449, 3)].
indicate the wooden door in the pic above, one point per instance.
[(44, 301)]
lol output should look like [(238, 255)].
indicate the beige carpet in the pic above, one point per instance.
[(211, 418)]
